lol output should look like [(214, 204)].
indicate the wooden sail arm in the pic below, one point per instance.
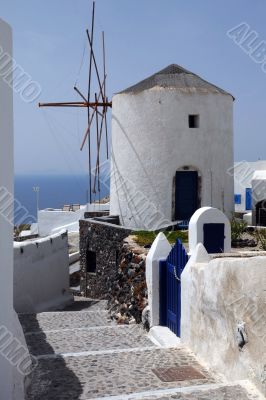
[(95, 65), (77, 104), (86, 100), (81, 95), (96, 108), (96, 104), (88, 130)]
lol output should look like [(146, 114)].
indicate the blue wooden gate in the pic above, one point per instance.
[(170, 287)]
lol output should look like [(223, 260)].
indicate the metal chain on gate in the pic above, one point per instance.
[(175, 274)]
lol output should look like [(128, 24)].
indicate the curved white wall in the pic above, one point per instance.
[(151, 140), (44, 262)]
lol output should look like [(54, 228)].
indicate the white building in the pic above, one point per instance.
[(172, 144), (51, 221), (250, 190), (11, 381)]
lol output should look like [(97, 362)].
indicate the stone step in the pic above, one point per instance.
[(86, 304), (234, 391), (91, 339), (110, 374), (82, 355), (48, 321)]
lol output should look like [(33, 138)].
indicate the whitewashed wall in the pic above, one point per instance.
[(151, 140), (41, 274), (11, 382), (217, 295), (53, 221)]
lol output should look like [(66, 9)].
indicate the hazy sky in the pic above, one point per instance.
[(142, 37)]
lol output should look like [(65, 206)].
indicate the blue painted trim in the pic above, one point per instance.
[(237, 198), (248, 199)]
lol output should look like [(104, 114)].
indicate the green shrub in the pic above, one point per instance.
[(147, 237), (238, 227)]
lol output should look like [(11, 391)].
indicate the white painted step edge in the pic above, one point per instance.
[(184, 390), (164, 337)]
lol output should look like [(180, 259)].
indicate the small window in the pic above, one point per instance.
[(237, 198), (193, 121), (91, 261)]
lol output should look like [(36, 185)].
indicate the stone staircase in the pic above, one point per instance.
[(81, 354)]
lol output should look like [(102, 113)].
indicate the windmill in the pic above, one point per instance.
[(97, 108)]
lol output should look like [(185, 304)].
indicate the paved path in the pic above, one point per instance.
[(83, 355)]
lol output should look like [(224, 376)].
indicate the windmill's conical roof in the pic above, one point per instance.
[(175, 76)]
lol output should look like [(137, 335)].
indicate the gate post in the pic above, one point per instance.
[(158, 251), (211, 216)]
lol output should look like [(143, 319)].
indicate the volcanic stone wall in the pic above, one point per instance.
[(105, 242), (128, 294)]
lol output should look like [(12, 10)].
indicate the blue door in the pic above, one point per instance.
[(170, 287), (186, 194), (248, 199), (213, 238)]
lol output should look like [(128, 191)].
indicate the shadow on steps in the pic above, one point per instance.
[(45, 384)]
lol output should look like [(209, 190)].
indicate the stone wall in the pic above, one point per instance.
[(94, 214), (128, 295), (106, 241)]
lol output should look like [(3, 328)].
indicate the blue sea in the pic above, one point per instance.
[(54, 192)]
